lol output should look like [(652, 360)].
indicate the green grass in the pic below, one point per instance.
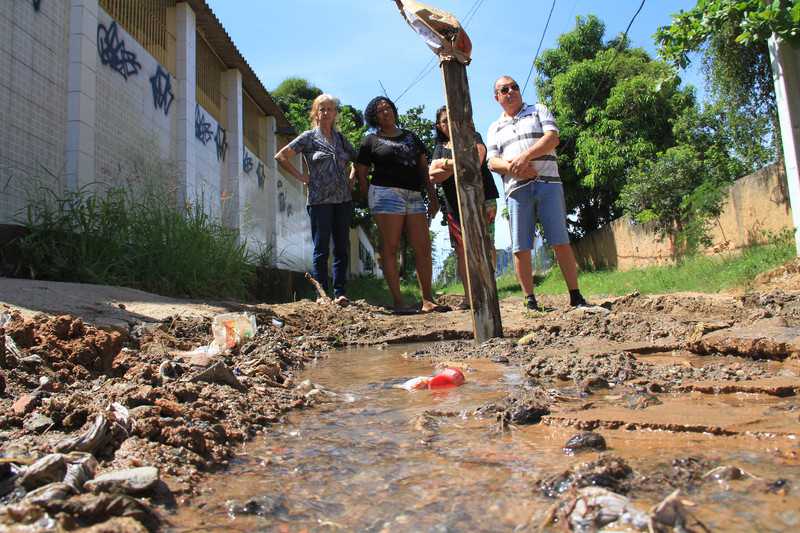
[(693, 274), (138, 240)]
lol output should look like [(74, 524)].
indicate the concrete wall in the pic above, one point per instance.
[(84, 103), (134, 139), (292, 222), (757, 206), (209, 169), (33, 100)]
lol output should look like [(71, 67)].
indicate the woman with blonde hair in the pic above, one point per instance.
[(327, 154)]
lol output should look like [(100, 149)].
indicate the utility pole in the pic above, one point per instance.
[(445, 36), (785, 60), (480, 280)]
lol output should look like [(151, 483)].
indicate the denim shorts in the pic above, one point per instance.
[(542, 201), (395, 201)]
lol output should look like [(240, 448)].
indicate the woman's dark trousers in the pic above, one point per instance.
[(331, 220)]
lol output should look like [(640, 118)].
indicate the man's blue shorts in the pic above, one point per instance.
[(542, 201)]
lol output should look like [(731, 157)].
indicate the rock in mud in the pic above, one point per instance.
[(88, 441), (31, 362), (585, 441), (89, 509), (263, 506), (592, 508), (80, 469), (756, 342), (609, 472), (639, 400), (37, 423), (131, 481), (523, 406), (218, 373), (27, 403), (117, 525), (615, 367), (48, 469), (725, 473), (9, 472), (592, 383), (49, 493), (779, 486), (672, 513)]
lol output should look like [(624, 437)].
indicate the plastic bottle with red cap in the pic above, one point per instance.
[(449, 377)]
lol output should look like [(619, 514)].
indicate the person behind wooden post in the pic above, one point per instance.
[(442, 171), (521, 147), (327, 154), (399, 166)]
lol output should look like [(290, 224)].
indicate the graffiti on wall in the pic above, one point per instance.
[(37, 5), (281, 197), (113, 53), (262, 175), (221, 140), (161, 82), (202, 128), (247, 162)]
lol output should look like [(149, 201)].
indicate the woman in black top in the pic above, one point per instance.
[(441, 171), (399, 166)]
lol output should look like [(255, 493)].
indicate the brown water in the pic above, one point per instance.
[(367, 462)]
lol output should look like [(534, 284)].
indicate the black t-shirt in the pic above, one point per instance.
[(394, 160), (449, 185)]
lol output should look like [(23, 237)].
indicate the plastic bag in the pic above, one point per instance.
[(230, 330)]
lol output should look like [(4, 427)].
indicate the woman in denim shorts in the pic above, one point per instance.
[(399, 167)]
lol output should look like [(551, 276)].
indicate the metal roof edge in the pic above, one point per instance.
[(226, 49)]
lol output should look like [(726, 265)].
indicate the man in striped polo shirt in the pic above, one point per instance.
[(521, 147)]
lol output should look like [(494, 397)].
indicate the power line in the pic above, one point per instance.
[(429, 66), (386, 94), (535, 57)]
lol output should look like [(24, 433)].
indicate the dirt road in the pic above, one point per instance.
[(100, 383)]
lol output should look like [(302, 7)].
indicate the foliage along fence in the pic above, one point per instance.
[(757, 206)]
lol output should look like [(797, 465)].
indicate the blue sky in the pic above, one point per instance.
[(350, 47)]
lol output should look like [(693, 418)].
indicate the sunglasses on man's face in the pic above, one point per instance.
[(505, 89)]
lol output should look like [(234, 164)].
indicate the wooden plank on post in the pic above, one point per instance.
[(469, 186)]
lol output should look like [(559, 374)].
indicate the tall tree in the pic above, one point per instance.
[(294, 96), (731, 37), (614, 106), (683, 187)]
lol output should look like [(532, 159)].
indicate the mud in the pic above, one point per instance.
[(724, 365)]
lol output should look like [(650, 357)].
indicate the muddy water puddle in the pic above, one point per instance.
[(373, 461)]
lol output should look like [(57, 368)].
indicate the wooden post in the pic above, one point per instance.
[(469, 186)]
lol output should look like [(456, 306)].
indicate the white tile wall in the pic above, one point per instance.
[(209, 171), (115, 130), (33, 59), (294, 248), (129, 129)]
